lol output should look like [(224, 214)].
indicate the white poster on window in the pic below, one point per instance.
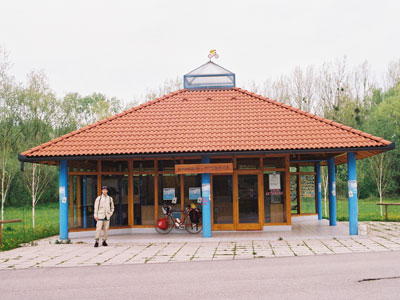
[(274, 181)]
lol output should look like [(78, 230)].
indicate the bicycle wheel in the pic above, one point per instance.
[(170, 225), (192, 227)]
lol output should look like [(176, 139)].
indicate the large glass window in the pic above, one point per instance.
[(274, 197), (222, 199), (118, 190), (168, 189), (143, 199), (82, 194)]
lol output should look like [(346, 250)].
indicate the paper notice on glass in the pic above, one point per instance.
[(274, 181), (194, 193), (205, 189), (168, 193)]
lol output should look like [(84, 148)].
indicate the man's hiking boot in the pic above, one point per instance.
[(96, 244), (105, 244)]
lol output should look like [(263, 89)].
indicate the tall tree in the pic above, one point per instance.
[(384, 121), (39, 120), (9, 130)]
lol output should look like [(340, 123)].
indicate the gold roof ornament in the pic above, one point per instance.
[(213, 53)]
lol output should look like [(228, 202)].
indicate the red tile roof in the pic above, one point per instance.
[(207, 120)]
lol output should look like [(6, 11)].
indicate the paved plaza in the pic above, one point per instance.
[(306, 238)]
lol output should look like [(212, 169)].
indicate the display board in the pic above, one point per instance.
[(307, 183)]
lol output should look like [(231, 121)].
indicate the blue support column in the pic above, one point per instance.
[(84, 203), (206, 209), (318, 183), (63, 199), (352, 189), (332, 191)]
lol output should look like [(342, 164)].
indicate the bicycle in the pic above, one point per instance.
[(166, 223)]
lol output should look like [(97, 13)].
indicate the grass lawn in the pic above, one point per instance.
[(367, 209), (46, 224)]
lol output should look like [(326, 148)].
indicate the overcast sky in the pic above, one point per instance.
[(122, 48)]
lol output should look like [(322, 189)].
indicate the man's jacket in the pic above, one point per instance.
[(103, 207)]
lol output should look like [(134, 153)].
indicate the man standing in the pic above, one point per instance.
[(103, 210)]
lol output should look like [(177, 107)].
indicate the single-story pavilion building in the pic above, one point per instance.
[(250, 158)]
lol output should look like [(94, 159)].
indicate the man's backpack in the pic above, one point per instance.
[(194, 216)]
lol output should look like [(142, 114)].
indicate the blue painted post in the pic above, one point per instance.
[(332, 191), (318, 183), (84, 202), (206, 209), (352, 186), (63, 198)]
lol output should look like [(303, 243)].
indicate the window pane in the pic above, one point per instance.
[(248, 198), (221, 160), (83, 165), (273, 162), (143, 165), (248, 163), (294, 200), (143, 199), (191, 181), (307, 185), (166, 165), (171, 182), (114, 166), (222, 199), (192, 161), (82, 197)]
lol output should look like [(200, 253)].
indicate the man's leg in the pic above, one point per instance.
[(106, 226), (99, 225)]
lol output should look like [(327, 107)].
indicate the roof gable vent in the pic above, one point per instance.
[(209, 76)]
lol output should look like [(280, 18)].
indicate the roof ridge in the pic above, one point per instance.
[(87, 127), (313, 116)]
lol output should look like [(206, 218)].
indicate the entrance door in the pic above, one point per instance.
[(248, 212), (222, 202)]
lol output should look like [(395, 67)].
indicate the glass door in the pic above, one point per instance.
[(248, 216), (222, 202)]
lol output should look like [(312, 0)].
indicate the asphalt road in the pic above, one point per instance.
[(341, 276)]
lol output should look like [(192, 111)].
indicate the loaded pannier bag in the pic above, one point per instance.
[(162, 223), (194, 216)]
